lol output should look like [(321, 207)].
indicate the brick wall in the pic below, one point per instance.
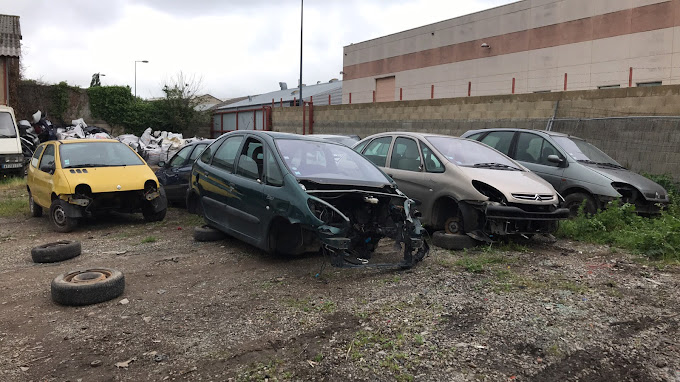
[(650, 145)]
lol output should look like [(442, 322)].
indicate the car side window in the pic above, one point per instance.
[(432, 163), (273, 173), (499, 140), (206, 155), (36, 156), (361, 146), (225, 156), (47, 160), (529, 148), (251, 160), (475, 136), (377, 150), (197, 151), (405, 155), (181, 157)]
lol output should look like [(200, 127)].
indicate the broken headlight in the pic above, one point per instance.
[(325, 212), (490, 192)]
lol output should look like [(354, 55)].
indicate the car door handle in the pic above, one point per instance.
[(390, 175), (269, 197)]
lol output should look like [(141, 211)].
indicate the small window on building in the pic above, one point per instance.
[(609, 87), (651, 83)]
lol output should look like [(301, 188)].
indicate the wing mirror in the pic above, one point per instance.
[(161, 164), (555, 159)]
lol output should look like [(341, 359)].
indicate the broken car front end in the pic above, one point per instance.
[(351, 221)]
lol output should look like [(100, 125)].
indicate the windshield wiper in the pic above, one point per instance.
[(607, 164), (495, 165), (7, 136), (586, 161), (85, 165)]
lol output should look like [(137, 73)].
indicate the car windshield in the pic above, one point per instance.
[(467, 153), (97, 154), (583, 151), (7, 129), (327, 161)]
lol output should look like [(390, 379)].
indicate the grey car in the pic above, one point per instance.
[(578, 170), (465, 187)]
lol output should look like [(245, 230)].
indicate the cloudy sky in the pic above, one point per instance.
[(233, 47)]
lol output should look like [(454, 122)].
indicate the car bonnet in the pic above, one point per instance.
[(648, 187), (110, 179), (510, 182)]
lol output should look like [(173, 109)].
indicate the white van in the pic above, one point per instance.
[(11, 156)]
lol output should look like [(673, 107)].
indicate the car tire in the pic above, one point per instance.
[(86, 287), (573, 203), (453, 241), (453, 226), (207, 233), (55, 252), (60, 221), (36, 210), (151, 216)]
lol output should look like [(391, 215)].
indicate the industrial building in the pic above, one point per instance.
[(528, 46)]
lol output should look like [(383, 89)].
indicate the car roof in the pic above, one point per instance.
[(68, 141), (412, 135), (546, 132), (279, 135)]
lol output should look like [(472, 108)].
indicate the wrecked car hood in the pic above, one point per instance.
[(110, 179), (648, 187), (510, 182)]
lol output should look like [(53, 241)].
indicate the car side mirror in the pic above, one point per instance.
[(555, 159), (161, 164)]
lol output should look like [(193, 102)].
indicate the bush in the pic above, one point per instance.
[(657, 238)]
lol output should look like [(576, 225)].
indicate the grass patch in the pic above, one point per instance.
[(12, 207), (656, 238), (480, 263), (149, 239), (12, 183)]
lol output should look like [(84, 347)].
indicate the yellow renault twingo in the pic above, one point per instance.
[(77, 178)]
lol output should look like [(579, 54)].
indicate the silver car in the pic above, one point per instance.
[(464, 186), (578, 170)]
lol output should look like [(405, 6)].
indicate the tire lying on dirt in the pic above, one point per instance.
[(86, 287), (453, 241), (207, 233), (55, 252)]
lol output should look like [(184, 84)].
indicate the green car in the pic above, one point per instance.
[(292, 194)]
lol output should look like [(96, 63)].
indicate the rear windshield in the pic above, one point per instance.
[(7, 128), (97, 154), (327, 161)]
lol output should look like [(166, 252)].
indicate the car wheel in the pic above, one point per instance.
[(36, 210), (151, 216), (573, 203), (207, 233), (55, 252), (453, 241), (60, 221), (453, 225), (86, 287)]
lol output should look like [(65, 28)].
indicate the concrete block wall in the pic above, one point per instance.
[(649, 145)]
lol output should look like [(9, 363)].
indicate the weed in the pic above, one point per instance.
[(149, 239), (419, 339), (326, 307), (318, 357), (13, 207), (12, 183), (477, 264), (619, 225)]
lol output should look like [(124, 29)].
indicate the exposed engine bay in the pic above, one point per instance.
[(355, 220)]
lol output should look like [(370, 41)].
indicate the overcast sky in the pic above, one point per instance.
[(235, 47)]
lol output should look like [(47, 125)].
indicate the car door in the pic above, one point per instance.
[(248, 208), (434, 177), (217, 183), (377, 150), (171, 176), (532, 151), (43, 179), (406, 168)]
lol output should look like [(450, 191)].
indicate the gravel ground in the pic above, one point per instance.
[(223, 311)]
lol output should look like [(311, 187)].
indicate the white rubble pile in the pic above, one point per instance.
[(79, 130)]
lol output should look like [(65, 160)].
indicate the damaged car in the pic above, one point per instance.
[(80, 178), (578, 170), (290, 194), (465, 187)]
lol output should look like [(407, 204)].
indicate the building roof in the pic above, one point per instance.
[(286, 95), (10, 36)]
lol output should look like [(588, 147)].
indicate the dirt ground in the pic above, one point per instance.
[(225, 311)]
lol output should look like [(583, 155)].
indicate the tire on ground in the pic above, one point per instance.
[(86, 287), (573, 203), (453, 241), (207, 233), (55, 252), (59, 218)]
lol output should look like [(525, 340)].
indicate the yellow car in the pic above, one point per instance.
[(77, 178)]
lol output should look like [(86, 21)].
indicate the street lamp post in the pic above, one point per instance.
[(144, 61)]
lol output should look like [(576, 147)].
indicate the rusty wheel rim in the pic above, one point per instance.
[(452, 225), (87, 276)]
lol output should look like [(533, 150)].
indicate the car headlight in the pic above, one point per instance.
[(490, 192)]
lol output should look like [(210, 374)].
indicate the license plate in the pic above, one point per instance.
[(12, 165)]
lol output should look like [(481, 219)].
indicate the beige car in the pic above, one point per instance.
[(464, 186)]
